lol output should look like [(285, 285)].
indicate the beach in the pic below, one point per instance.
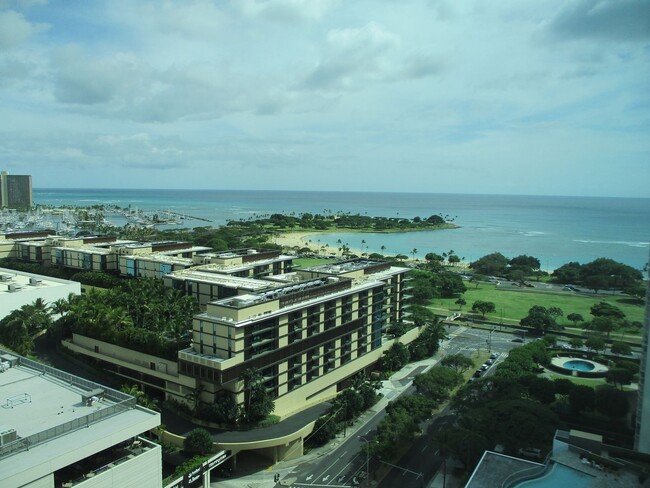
[(298, 240)]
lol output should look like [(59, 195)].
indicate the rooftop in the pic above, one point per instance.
[(47, 414), (204, 275), (12, 281), (342, 267)]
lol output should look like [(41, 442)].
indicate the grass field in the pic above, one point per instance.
[(514, 305)]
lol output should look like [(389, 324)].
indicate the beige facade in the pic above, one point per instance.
[(135, 367), (305, 337)]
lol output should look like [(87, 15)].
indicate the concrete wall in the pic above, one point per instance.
[(164, 369), (143, 471)]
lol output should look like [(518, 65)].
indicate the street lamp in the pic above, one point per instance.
[(367, 459)]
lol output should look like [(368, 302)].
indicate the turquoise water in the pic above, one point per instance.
[(578, 365), (556, 230), (560, 476)]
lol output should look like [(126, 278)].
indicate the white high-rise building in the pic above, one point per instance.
[(642, 437)]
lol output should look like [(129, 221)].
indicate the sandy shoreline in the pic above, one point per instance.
[(297, 240), (302, 239)]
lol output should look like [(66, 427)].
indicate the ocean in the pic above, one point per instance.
[(554, 229)]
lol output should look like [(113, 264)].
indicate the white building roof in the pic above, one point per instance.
[(46, 409)]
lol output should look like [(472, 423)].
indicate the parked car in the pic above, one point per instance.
[(518, 339), (478, 373), (494, 355), (489, 362)]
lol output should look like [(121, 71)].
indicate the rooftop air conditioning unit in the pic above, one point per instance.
[(5, 277), (7, 435), (12, 287), (35, 281)]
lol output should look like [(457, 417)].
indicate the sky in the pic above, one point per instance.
[(507, 97)]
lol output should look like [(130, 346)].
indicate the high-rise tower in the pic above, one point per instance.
[(15, 191), (642, 437)]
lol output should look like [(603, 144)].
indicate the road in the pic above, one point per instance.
[(348, 463)]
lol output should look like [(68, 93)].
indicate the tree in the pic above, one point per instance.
[(575, 318), (596, 282), (325, 430), (263, 405), (604, 309), (461, 302), (422, 316), (458, 362), (607, 274), (595, 343), (568, 273), (619, 376), (197, 442), (426, 344), (395, 358), (524, 260), (436, 383), (491, 264), (621, 348), (542, 389), (540, 318), (576, 342), (582, 398), (611, 402), (604, 325), (483, 307)]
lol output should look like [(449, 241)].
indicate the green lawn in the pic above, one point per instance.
[(308, 262), (514, 305)]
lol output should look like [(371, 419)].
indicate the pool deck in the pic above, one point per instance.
[(559, 361), (604, 478)]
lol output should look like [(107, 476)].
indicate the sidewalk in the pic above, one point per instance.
[(391, 389)]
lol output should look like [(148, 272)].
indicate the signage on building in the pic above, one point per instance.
[(194, 478)]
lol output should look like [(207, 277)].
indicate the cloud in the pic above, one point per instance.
[(286, 11), (198, 19), (79, 79), (354, 57), (15, 29), (616, 20)]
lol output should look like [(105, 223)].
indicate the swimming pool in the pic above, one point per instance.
[(560, 475), (579, 365)]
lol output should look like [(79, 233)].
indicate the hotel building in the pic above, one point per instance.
[(306, 332), (306, 336), (15, 191)]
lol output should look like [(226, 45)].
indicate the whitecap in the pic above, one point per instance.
[(615, 243)]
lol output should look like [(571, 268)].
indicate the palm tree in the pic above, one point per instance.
[(252, 378), (414, 252), (383, 249)]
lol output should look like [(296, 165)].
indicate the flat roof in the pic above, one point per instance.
[(158, 258), (28, 281), (494, 468), (196, 274), (46, 408), (87, 248), (302, 300)]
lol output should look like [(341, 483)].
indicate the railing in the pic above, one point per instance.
[(122, 401), (528, 474)]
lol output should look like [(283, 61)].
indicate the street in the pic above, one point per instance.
[(348, 463)]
